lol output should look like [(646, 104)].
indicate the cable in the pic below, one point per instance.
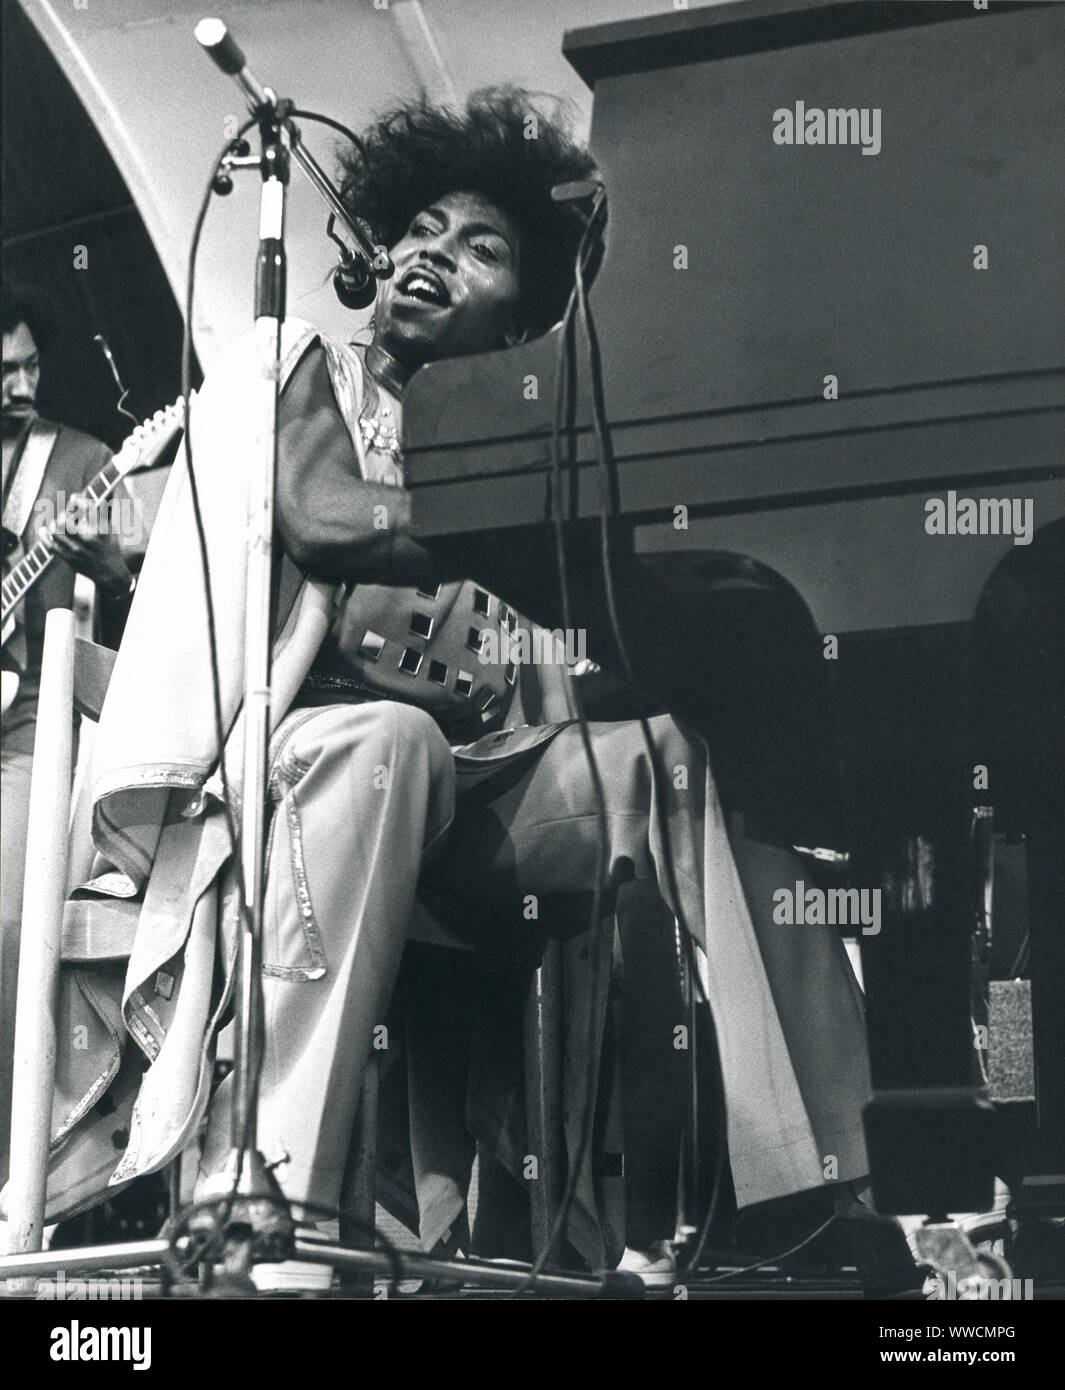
[(109, 358), (772, 1259), (691, 1264), (607, 496), (187, 352), (562, 363), (1021, 960), (335, 125), (608, 493)]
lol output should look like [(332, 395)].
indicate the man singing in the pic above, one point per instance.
[(396, 752)]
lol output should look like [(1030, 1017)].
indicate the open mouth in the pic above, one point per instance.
[(425, 286)]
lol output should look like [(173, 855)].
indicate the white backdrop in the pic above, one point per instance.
[(162, 108)]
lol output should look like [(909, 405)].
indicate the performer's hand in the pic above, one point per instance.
[(85, 541)]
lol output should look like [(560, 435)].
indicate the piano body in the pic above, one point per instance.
[(802, 346)]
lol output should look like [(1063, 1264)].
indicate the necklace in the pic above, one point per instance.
[(377, 421), (380, 433)]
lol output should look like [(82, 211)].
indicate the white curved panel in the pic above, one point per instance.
[(162, 109)]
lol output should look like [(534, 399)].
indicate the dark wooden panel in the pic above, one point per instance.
[(815, 260), (725, 31)]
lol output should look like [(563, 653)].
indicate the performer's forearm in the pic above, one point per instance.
[(333, 523), (362, 533)]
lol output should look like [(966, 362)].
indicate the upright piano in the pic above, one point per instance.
[(810, 352)]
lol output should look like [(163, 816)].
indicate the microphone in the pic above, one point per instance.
[(354, 279), (354, 282), (220, 45)]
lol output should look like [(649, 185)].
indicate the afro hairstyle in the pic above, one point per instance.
[(500, 147)]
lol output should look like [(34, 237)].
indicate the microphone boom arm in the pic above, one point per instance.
[(222, 48)]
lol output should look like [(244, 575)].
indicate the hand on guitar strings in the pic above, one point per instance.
[(84, 538)]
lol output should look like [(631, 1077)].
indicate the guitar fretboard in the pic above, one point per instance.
[(36, 561), (142, 447)]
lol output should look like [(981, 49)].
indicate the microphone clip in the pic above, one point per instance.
[(355, 278)]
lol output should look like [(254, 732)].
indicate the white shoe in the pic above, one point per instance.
[(655, 1264), (292, 1276)]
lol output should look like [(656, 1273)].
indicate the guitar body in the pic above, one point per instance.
[(9, 678), (9, 684), (142, 448)]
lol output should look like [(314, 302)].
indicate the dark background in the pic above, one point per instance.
[(61, 189)]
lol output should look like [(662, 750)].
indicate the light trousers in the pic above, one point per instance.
[(368, 795), (365, 797)]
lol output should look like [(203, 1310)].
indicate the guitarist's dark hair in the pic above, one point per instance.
[(28, 304)]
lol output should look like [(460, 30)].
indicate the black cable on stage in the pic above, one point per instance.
[(608, 492), (562, 363), (772, 1259), (691, 1264), (606, 466), (187, 349)]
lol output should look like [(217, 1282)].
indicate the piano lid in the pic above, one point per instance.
[(726, 30)]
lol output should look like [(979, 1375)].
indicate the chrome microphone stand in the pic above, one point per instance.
[(244, 1197)]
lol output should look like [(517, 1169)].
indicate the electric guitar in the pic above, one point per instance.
[(142, 448)]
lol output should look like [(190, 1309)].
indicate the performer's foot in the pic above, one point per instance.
[(654, 1263), (292, 1276), (882, 1256)]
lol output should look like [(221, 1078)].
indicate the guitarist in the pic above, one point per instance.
[(42, 462)]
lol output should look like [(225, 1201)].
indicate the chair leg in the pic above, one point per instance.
[(653, 1068), (33, 1080), (358, 1192), (543, 1095)]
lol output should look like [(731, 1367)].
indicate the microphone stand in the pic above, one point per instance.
[(244, 1196)]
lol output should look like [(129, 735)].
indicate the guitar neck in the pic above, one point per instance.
[(141, 449), (33, 564)]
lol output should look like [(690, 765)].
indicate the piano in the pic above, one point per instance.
[(808, 351)]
